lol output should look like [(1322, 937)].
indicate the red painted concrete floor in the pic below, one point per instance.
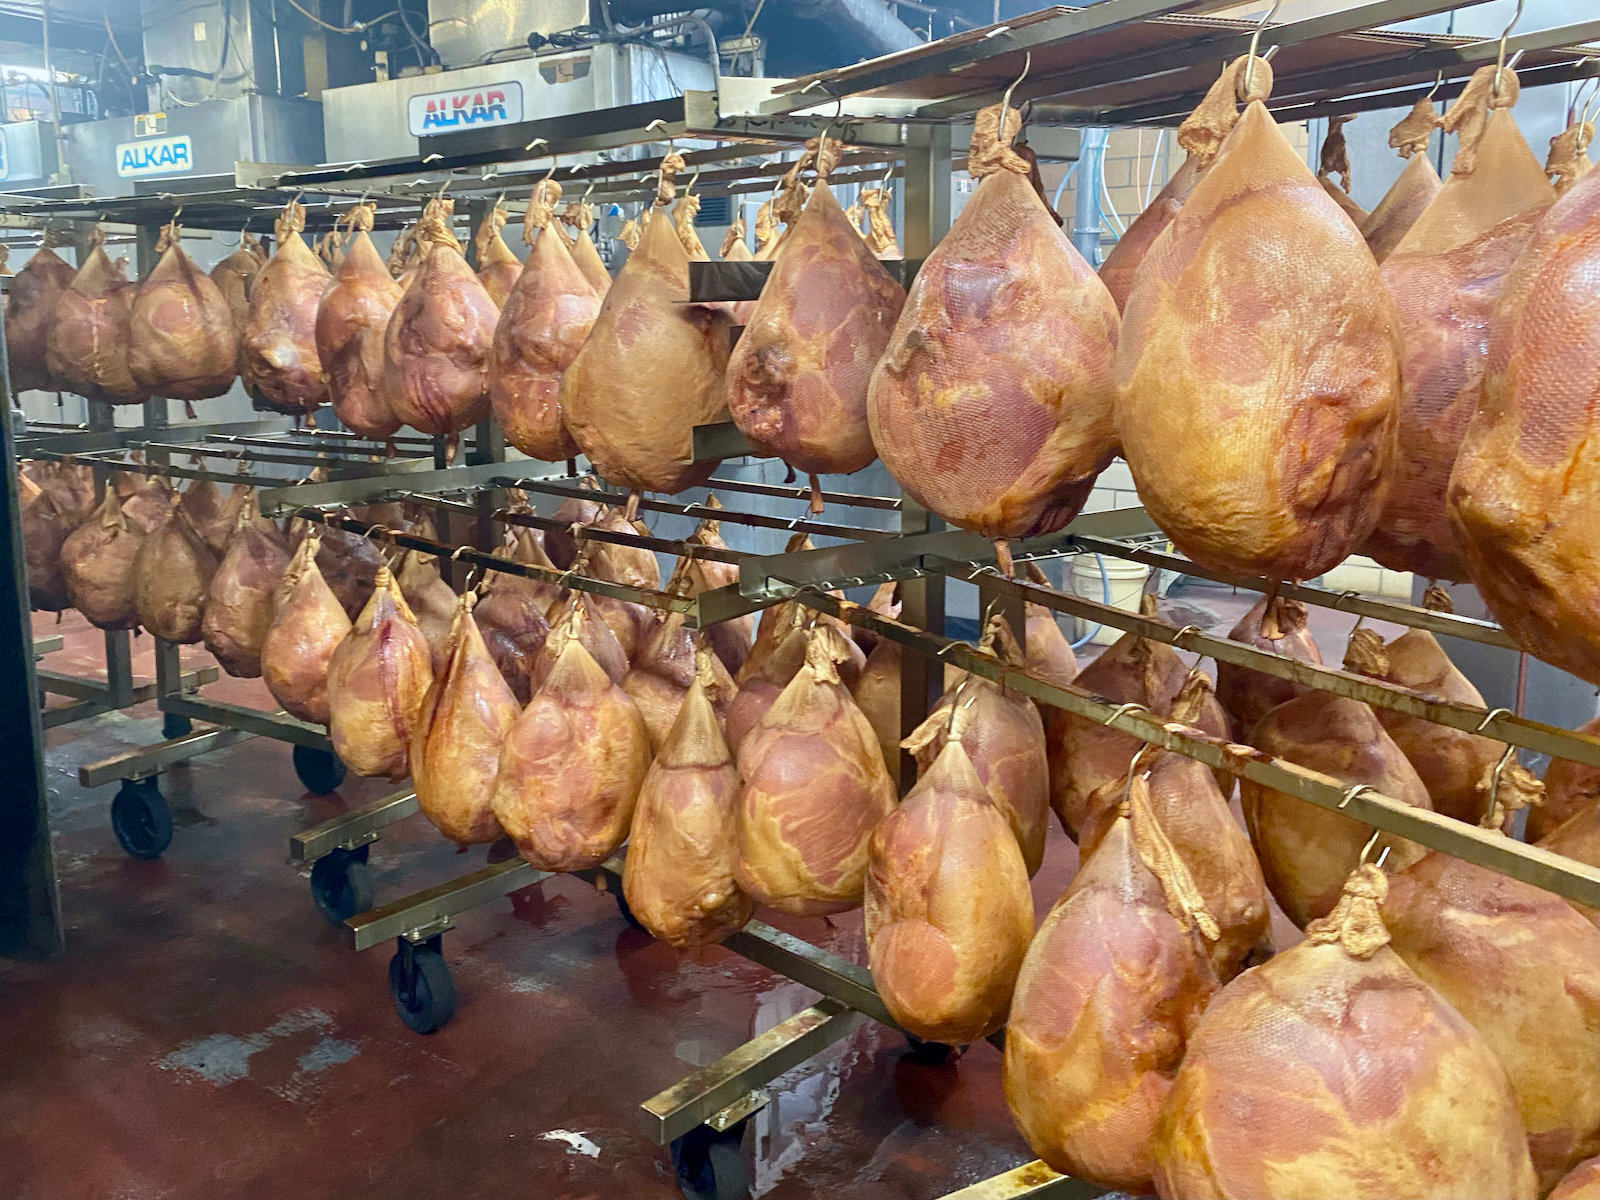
[(208, 1035)]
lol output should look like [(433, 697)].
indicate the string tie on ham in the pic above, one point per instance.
[(1205, 129), (1488, 89), (672, 165), (734, 235), (1356, 922), (1413, 131)]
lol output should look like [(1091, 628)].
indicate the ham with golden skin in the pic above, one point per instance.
[(1306, 852), (30, 313), (652, 368), (543, 323), (511, 619), (97, 561), (572, 763), (877, 695), (1406, 200), (592, 631), (1523, 967), (797, 379), (1581, 1183), (993, 405), (948, 911), (308, 623), (183, 343), (1258, 368), (1049, 653), (431, 601), (455, 753), (352, 320), (234, 275), (678, 876), (239, 604), (580, 215), (498, 268), (1524, 498), (1276, 624), (87, 349), (1333, 1070), (1120, 265), (437, 346), (1568, 788), (377, 680), (278, 361), (779, 652), (730, 639), (663, 672), (171, 579), (1112, 989), (814, 787)]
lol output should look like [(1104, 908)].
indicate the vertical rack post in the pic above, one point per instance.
[(169, 669), (489, 444)]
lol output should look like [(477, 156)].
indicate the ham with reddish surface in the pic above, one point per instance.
[(278, 361), (183, 341), (87, 350), (97, 560), (31, 313), (239, 604), (351, 322), (308, 624), (377, 680)]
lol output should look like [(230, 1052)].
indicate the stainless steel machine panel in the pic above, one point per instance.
[(27, 153), (463, 31)]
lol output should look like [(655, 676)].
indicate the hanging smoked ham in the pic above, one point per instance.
[(213, 515), (498, 268), (377, 680), (1568, 160), (455, 754), (1524, 499), (1568, 788), (97, 560), (653, 367), (1258, 369), (351, 322), (1444, 277), (948, 910), (877, 695), (543, 322), (572, 763), (993, 404), (1276, 624), (1049, 654), (239, 603), (87, 347), (183, 343), (171, 578), (1110, 993), (1003, 736), (1118, 269), (814, 787), (1409, 196), (44, 529), (431, 601), (730, 639), (592, 631), (510, 616), (1086, 755), (1325, 1072), (278, 361), (31, 312), (1306, 851), (580, 215), (678, 877), (234, 275), (308, 624), (436, 349), (72, 485), (779, 652), (631, 624), (346, 562), (797, 379), (147, 503), (664, 670), (560, 544)]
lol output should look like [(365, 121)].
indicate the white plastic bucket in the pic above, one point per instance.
[(1125, 581)]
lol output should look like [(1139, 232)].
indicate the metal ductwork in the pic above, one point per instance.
[(865, 23)]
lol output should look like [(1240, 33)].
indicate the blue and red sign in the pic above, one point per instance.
[(468, 108)]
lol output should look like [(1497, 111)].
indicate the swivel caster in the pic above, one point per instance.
[(319, 770), (175, 726), (140, 818), (930, 1054), (627, 913), (710, 1165), (419, 984), (341, 884)]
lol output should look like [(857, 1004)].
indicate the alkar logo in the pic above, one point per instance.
[(155, 156), (470, 108)]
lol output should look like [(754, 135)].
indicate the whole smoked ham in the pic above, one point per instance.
[(1325, 1072), (1049, 654), (278, 361), (44, 529), (431, 601), (730, 639), (498, 268), (308, 623), (214, 516), (1110, 993), (560, 544), (171, 578), (678, 876), (239, 604), (1444, 277), (663, 672), (580, 215), (97, 560), (543, 322), (1568, 788), (351, 322), (572, 763), (1276, 624), (377, 680), (183, 343), (948, 911), (993, 404), (347, 563), (1258, 368), (87, 349), (148, 501), (652, 368), (877, 695), (1120, 265), (814, 787), (511, 619), (1306, 851), (436, 349), (31, 303), (455, 754), (592, 631), (1409, 196), (774, 660), (1524, 499), (234, 275), (797, 379)]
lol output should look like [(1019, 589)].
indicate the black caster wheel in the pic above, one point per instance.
[(320, 770), (341, 885), (627, 913), (930, 1054), (710, 1165), (140, 818), (419, 984), (175, 726)]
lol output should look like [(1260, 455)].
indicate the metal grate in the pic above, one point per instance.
[(715, 210)]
